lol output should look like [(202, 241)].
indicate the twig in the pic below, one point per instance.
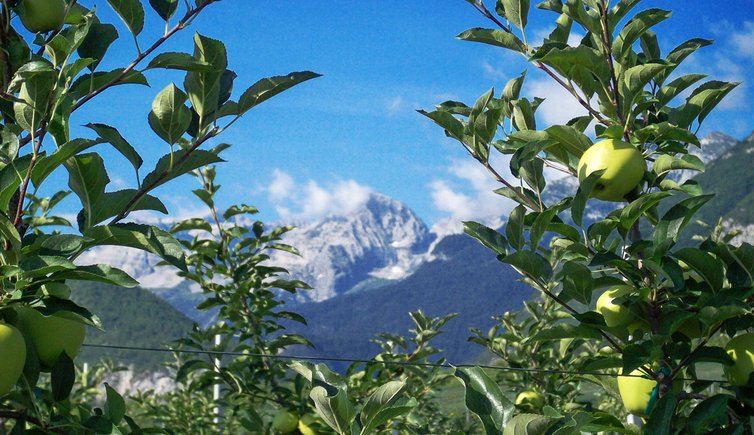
[(146, 188), (15, 415)]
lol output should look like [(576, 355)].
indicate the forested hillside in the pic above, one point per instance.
[(131, 317)]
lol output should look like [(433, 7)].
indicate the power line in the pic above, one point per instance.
[(372, 361)]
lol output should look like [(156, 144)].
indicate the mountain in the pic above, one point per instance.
[(382, 240), (464, 278)]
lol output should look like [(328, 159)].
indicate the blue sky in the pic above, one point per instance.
[(321, 147)]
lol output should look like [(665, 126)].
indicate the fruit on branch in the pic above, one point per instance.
[(50, 335), (529, 401), (42, 15), (614, 314), (305, 425), (636, 391), (12, 357), (285, 421), (741, 349), (624, 168)]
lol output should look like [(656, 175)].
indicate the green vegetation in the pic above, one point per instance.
[(130, 317)]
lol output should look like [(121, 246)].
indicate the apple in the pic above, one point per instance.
[(12, 357), (285, 421), (614, 314), (635, 392), (50, 335), (305, 425), (624, 168), (39, 16), (529, 401), (741, 349)]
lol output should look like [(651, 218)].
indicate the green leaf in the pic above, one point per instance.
[(178, 61), (633, 30), (514, 229), (666, 163), (484, 398), (710, 268), (631, 213), (179, 163), (674, 88), (169, 117), (145, 237), (63, 377), (494, 37), (131, 12), (115, 406), (453, 127), (112, 136), (111, 204), (334, 408), (574, 141), (661, 419), (98, 273), (701, 102), (46, 164), (383, 405), (516, 11), (88, 83), (582, 196), (566, 330), (530, 263), (681, 52), (577, 282), (487, 237), (711, 410), (530, 424), (637, 77), (675, 219), (513, 87), (203, 87), (164, 8), (97, 41), (268, 87), (87, 178)]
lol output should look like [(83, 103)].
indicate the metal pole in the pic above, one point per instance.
[(218, 411)]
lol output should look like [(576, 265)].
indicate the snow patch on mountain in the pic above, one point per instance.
[(382, 239)]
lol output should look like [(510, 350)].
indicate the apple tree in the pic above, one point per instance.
[(52, 54), (678, 306)]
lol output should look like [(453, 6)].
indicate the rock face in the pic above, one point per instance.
[(383, 240)]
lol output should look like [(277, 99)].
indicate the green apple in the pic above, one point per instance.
[(50, 335), (42, 15), (305, 425), (741, 350), (12, 357), (529, 401), (624, 168), (635, 392), (285, 421), (614, 314)]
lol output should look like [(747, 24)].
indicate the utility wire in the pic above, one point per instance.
[(372, 361)]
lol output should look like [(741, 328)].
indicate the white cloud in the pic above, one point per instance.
[(559, 106), (743, 40), (467, 194), (281, 186), (394, 105), (492, 72), (310, 200)]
